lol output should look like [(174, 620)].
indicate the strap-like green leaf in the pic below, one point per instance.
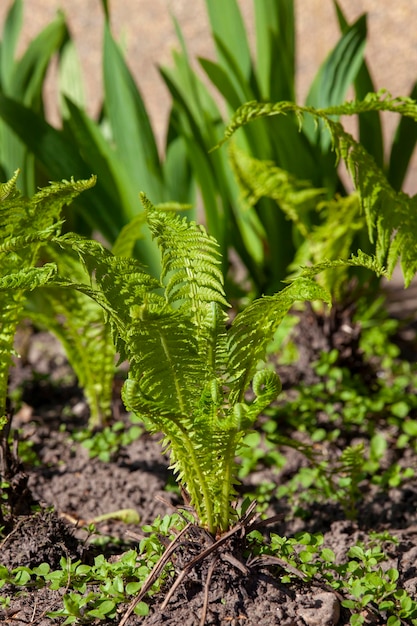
[(336, 74), (275, 47), (402, 148), (370, 128), (132, 131)]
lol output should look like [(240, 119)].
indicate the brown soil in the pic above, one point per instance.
[(72, 489)]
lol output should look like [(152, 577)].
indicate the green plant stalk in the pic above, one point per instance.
[(204, 506)]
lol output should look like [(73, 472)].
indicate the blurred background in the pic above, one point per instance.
[(146, 29)]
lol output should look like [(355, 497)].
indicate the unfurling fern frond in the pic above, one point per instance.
[(254, 328), (391, 217)]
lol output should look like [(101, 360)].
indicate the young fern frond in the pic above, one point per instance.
[(28, 279), (258, 179), (25, 225), (360, 259), (117, 284), (8, 189), (391, 217), (173, 332), (185, 367), (164, 361), (78, 322), (254, 328), (132, 232), (190, 263), (340, 217), (16, 244)]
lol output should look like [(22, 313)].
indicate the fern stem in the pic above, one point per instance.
[(228, 464), (198, 483)]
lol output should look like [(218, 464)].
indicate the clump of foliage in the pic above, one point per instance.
[(188, 373), (389, 215), (261, 234), (26, 225), (96, 591), (120, 146), (194, 376), (367, 586)]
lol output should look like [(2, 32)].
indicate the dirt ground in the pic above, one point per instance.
[(79, 488)]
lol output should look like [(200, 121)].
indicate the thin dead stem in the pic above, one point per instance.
[(156, 571), (207, 591), (241, 527)]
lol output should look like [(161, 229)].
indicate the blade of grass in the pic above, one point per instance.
[(23, 80), (329, 87), (340, 68), (105, 5), (30, 70), (370, 129), (132, 131), (228, 29), (70, 78), (192, 124), (100, 158), (11, 32), (178, 174), (275, 49), (402, 148), (222, 81)]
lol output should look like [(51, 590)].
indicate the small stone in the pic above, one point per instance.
[(324, 610)]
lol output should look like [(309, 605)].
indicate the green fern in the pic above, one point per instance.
[(332, 238), (258, 179), (25, 225), (188, 373), (78, 322), (391, 216)]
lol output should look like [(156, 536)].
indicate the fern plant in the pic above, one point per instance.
[(324, 229), (78, 323), (26, 227), (189, 372), (390, 215)]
